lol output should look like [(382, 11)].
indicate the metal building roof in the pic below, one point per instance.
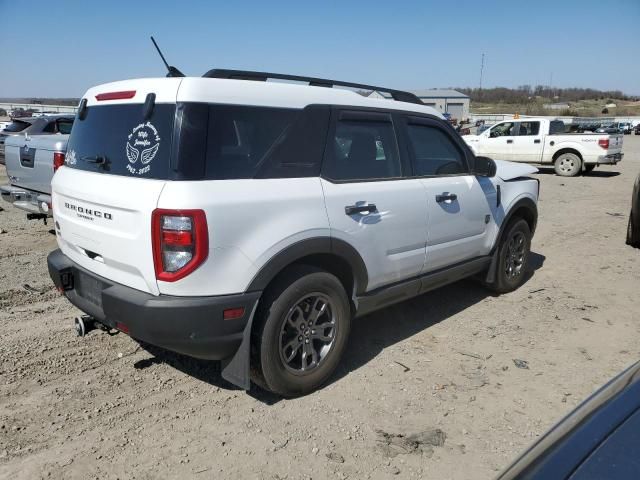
[(438, 93)]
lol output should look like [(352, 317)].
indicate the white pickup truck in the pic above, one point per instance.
[(543, 141)]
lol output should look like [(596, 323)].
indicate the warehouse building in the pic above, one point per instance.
[(446, 101)]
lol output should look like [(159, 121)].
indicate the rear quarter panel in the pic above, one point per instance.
[(249, 221)]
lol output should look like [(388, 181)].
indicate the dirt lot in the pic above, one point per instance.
[(100, 407)]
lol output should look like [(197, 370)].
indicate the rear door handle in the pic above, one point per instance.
[(509, 141), (537, 140), (443, 197), (353, 209)]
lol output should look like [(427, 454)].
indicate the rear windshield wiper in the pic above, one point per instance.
[(99, 160)]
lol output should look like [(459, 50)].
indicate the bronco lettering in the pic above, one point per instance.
[(87, 213)]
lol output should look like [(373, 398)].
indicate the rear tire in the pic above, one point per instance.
[(513, 257), (568, 165), (304, 322)]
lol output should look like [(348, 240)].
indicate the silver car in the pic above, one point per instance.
[(44, 125)]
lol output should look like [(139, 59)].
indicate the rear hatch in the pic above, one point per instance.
[(118, 158), (29, 160)]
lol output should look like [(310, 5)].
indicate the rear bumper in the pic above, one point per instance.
[(610, 159), (192, 326), (25, 199)]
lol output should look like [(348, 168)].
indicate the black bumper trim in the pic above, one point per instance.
[(189, 325)]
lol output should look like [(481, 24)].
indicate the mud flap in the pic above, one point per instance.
[(236, 369), (493, 266)]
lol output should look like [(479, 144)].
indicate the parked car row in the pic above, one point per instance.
[(620, 127), (624, 128)]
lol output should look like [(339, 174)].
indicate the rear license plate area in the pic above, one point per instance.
[(89, 288)]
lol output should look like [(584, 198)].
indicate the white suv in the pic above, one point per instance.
[(227, 217)]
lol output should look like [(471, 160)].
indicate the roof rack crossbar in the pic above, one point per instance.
[(397, 95)]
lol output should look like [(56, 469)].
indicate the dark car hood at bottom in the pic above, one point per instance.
[(565, 447)]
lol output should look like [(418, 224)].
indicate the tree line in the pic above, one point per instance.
[(528, 93)]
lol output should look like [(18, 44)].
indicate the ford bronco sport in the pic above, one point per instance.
[(229, 217)]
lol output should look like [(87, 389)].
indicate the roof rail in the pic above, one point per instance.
[(397, 95)]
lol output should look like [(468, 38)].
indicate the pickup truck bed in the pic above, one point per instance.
[(30, 168)]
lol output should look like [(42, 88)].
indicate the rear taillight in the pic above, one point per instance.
[(604, 143), (58, 160), (180, 242)]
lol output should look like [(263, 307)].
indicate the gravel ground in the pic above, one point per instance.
[(428, 389)]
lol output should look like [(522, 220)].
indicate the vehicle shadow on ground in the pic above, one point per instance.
[(593, 173), (369, 336)]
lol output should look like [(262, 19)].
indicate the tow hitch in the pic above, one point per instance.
[(84, 325), (38, 216)]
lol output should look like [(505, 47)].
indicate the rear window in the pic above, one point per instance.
[(557, 126), (64, 126), (16, 126), (199, 141), (118, 140)]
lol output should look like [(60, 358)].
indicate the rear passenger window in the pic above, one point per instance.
[(434, 153), (362, 150), (241, 138), (529, 128)]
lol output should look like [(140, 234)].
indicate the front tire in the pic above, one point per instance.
[(633, 233), (513, 257), (568, 165), (305, 319)]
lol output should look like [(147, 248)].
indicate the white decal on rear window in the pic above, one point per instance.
[(143, 144), (71, 157)]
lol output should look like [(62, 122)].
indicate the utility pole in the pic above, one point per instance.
[(481, 70), (551, 84)]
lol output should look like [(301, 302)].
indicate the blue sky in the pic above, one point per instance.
[(62, 48)]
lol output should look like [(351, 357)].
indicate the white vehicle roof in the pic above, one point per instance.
[(243, 92)]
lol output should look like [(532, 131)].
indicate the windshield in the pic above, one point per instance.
[(16, 126)]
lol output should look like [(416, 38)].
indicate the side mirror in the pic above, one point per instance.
[(485, 167)]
